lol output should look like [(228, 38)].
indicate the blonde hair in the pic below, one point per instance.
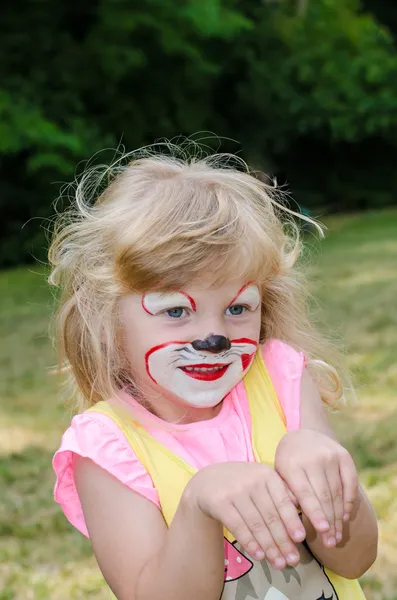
[(160, 221)]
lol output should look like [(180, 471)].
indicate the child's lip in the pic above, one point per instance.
[(205, 365), (207, 374)]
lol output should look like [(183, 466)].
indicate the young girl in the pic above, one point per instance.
[(202, 464)]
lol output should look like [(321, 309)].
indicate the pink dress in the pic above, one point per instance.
[(226, 437)]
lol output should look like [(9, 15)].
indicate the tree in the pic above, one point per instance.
[(300, 84)]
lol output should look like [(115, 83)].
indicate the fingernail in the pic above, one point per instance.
[(259, 555), (299, 534), (331, 541), (292, 557), (279, 563), (338, 536), (323, 525), (346, 517)]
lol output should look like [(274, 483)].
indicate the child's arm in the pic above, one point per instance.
[(139, 557), (352, 557), (143, 560), (357, 551)]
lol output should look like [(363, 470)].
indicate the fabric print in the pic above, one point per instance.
[(236, 564), (306, 581)]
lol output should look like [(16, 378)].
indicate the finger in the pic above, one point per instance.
[(349, 477), (286, 508), (308, 501), (254, 522), (319, 483), (334, 480), (233, 521), (292, 496), (278, 532)]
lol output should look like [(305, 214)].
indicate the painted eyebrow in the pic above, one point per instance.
[(154, 302), (248, 294)]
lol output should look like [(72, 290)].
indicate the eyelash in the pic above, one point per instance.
[(188, 311)]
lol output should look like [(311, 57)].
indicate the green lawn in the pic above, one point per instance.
[(41, 557)]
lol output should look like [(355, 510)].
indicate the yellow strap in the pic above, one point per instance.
[(259, 375), (266, 412), (137, 436)]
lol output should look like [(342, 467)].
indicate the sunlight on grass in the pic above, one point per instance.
[(354, 277), (18, 438)]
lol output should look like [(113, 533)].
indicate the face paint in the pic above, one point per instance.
[(199, 371), (249, 296), (155, 303), (200, 379), (212, 343)]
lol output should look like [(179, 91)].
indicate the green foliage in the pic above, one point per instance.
[(330, 75), (302, 85), (348, 66)]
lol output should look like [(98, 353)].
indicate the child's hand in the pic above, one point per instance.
[(252, 502), (322, 476)]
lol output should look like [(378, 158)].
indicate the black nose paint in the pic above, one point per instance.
[(212, 343)]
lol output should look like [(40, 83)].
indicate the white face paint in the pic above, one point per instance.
[(162, 331), (248, 295), (200, 378), (156, 303)]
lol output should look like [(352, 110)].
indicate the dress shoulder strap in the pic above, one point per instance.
[(268, 420)]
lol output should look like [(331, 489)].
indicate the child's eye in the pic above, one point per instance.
[(176, 313), (236, 310)]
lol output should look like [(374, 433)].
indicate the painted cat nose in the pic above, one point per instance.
[(212, 343)]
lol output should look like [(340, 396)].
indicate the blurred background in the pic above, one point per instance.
[(303, 90)]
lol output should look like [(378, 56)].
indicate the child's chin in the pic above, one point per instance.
[(203, 402)]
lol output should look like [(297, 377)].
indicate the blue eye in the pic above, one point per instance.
[(175, 313), (236, 310)]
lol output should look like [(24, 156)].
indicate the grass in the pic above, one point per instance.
[(42, 557)]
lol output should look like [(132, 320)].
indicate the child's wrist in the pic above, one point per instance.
[(190, 504)]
